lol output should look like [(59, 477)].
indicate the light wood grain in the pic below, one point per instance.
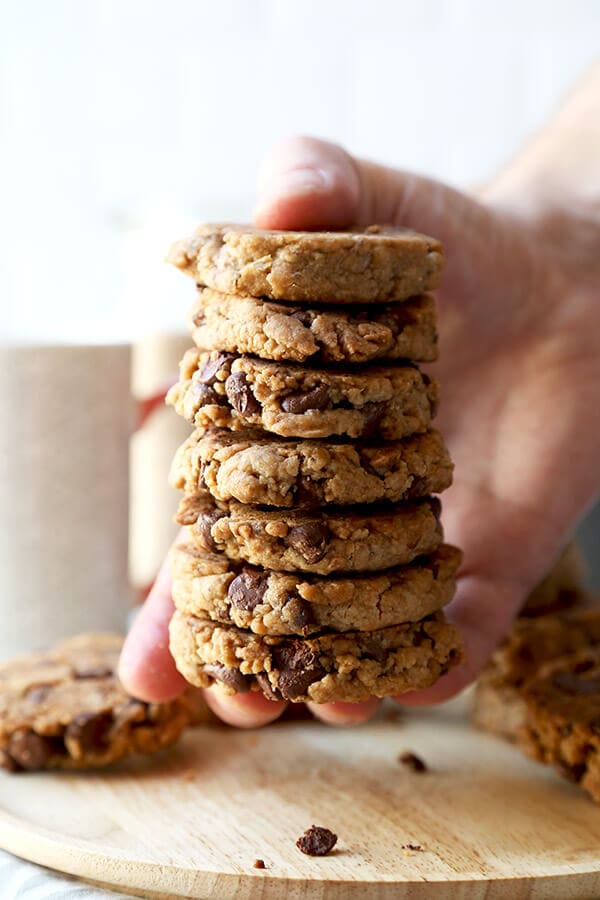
[(190, 824)]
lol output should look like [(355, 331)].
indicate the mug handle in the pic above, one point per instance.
[(147, 405)]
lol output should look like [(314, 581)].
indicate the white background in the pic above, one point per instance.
[(123, 122)]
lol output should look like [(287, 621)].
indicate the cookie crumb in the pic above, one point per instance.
[(412, 762), (259, 864), (416, 848), (316, 841)]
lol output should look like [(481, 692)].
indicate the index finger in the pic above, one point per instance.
[(146, 668)]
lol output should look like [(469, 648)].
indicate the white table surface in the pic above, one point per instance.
[(20, 880)]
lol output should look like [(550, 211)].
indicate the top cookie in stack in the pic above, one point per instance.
[(313, 566)]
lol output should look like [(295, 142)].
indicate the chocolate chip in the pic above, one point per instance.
[(89, 731), (373, 414), (92, 672), (316, 841), (211, 368), (258, 864), (233, 678), (418, 488), (30, 750), (372, 648), (240, 395), (298, 666), (207, 396), (571, 772), (202, 530), (573, 684), (525, 653), (310, 540), (307, 493), (247, 589), (299, 614), (412, 761), (299, 403), (267, 688)]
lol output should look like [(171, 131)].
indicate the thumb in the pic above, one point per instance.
[(309, 184)]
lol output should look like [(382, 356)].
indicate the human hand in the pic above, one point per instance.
[(519, 369)]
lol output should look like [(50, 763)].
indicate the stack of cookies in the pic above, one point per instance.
[(313, 566)]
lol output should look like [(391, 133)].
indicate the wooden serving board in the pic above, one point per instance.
[(191, 823)]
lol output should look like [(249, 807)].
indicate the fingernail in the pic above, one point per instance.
[(295, 182)]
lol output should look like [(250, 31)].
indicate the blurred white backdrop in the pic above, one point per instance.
[(123, 122)]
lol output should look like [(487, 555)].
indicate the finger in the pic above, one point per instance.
[(345, 713), (307, 183), (482, 611), (146, 667), (243, 710)]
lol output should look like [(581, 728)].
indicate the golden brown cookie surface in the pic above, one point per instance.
[(373, 265)]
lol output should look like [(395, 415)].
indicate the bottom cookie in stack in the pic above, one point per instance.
[(298, 636)]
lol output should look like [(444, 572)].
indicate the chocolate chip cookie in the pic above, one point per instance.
[(530, 644), (65, 709), (267, 602), (367, 539), (329, 667), (562, 718), (372, 265), (290, 400), (326, 334), (255, 468)]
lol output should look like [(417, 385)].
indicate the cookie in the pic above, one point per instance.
[(266, 602), (254, 468), (497, 706), (329, 667), (290, 400), (531, 643), (65, 709), (278, 331), (363, 540), (562, 718), (371, 265)]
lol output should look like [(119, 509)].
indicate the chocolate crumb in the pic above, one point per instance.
[(316, 841), (259, 864), (412, 762), (416, 848)]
